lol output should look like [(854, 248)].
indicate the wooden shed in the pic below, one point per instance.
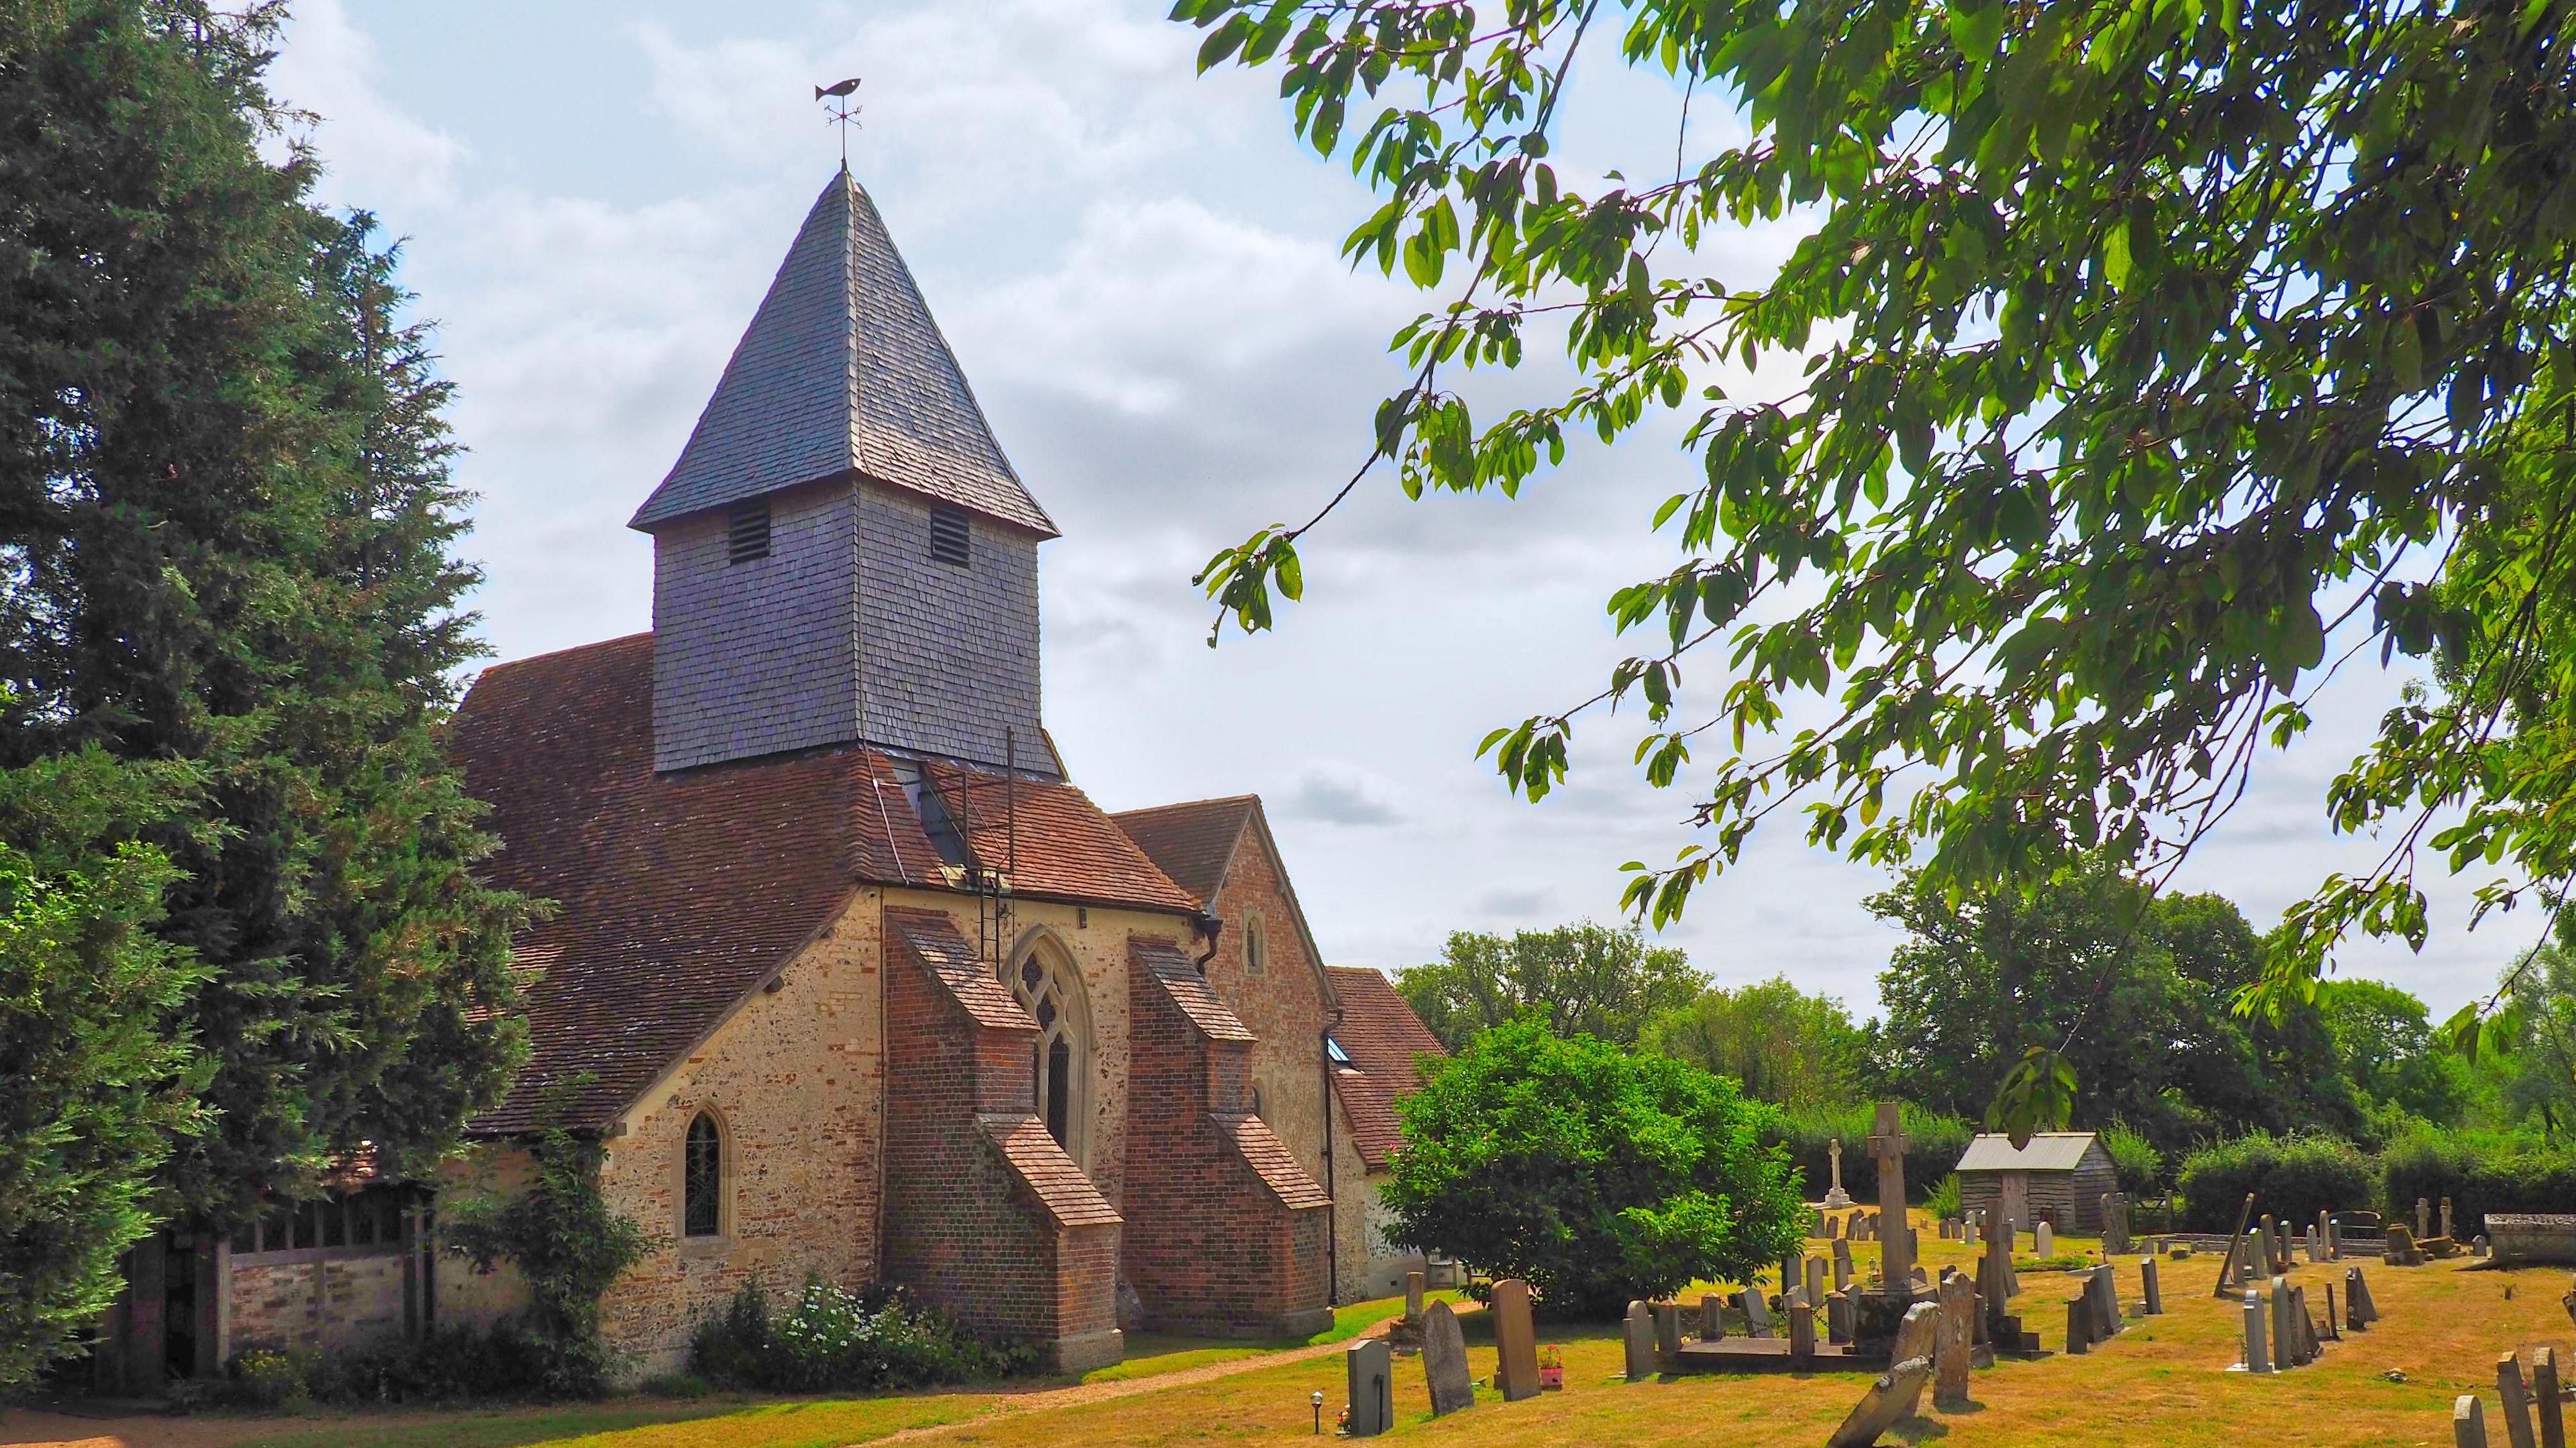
[(2059, 1178)]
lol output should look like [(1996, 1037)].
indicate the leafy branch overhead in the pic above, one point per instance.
[(2142, 352)]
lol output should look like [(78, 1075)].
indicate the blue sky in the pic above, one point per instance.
[(1139, 272)]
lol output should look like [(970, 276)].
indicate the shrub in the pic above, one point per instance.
[(2478, 1178), (2292, 1178), (840, 1341), (1596, 1174), (569, 1245), (2140, 1166), (448, 1364), (1934, 1143), (1943, 1200)]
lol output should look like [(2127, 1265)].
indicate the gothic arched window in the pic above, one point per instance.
[(1046, 983), (702, 1180)]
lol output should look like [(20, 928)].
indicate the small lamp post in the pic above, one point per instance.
[(1318, 1401)]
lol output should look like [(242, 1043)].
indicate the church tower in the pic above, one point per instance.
[(842, 554)]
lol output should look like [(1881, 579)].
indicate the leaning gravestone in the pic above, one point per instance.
[(1890, 1401), (1372, 1387), (1842, 1265), (1637, 1334), (2516, 1404), (2544, 1392), (2359, 1310), (1515, 1341), (1952, 1341), (1757, 1312), (1444, 1361), (1916, 1332), (2152, 1301)]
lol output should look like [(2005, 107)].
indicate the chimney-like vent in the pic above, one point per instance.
[(951, 536), (747, 531)]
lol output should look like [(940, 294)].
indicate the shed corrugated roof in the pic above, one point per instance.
[(843, 370), (2047, 1151)]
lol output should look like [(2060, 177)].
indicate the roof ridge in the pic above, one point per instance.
[(490, 669), (1252, 799)]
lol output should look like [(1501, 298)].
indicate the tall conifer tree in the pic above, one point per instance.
[(226, 531)]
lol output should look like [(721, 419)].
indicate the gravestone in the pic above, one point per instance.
[(2334, 1239), (1836, 1198), (1668, 1333), (2103, 1284), (2516, 1407), (1413, 1297), (1515, 1343), (1815, 1280), (2115, 1223), (1371, 1381), (1712, 1319), (2423, 1217), (1916, 1332), (2258, 1351), (1757, 1313), (2046, 1240), (2359, 1309), (1890, 1401), (1968, 1231), (1887, 1145), (2400, 1251), (2446, 1218), (1842, 1265), (2468, 1422), (1637, 1334), (1802, 1332), (2152, 1298), (1842, 1321), (1952, 1342), (2285, 1344), (1444, 1361), (1789, 1274), (2079, 1323), (2544, 1391), (1816, 1224)]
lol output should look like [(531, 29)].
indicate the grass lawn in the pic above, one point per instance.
[(2161, 1382)]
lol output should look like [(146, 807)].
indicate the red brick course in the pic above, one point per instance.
[(1225, 1231)]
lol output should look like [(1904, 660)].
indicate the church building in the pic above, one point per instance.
[(847, 975)]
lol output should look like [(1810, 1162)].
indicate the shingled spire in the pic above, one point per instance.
[(842, 553), (843, 371)]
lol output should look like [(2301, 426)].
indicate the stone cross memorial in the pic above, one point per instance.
[(1887, 1145), (1836, 1198), (1444, 1361), (1515, 1341)]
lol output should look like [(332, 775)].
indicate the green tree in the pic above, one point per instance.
[(100, 1076), (2129, 350), (2138, 985), (1779, 1043), (1595, 1174), (1584, 977), (227, 521), (2532, 1042), (2385, 1042)]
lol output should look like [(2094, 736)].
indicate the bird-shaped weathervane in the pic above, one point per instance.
[(839, 112)]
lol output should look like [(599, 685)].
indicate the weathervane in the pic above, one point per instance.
[(837, 107)]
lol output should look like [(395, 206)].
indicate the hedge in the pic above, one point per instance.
[(1933, 1147), (2292, 1178), (2477, 1179)]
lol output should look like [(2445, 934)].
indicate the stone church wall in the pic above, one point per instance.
[(1284, 1005), (756, 657)]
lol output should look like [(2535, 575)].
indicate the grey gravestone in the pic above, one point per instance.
[(2468, 1422), (1952, 1340), (1815, 1280), (1515, 1342), (1890, 1401), (2544, 1391), (2446, 1218), (1815, 1224), (1444, 1361), (1712, 1319), (2285, 1344), (1842, 1318), (2258, 1351), (1637, 1333), (2356, 1295), (2516, 1405), (1668, 1332), (1842, 1265), (1372, 1387), (1917, 1332), (1413, 1297), (2423, 1217), (2079, 1323), (1968, 1232), (2153, 1299), (2047, 1245), (1757, 1313)]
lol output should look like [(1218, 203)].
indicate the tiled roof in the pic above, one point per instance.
[(1383, 1038), (1179, 976), (1268, 1156), (1192, 842), (842, 369), (1066, 1192), (677, 894), (936, 942), (1085, 856)]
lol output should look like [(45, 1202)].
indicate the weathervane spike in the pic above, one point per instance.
[(839, 112)]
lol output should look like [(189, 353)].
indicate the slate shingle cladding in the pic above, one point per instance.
[(948, 656)]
